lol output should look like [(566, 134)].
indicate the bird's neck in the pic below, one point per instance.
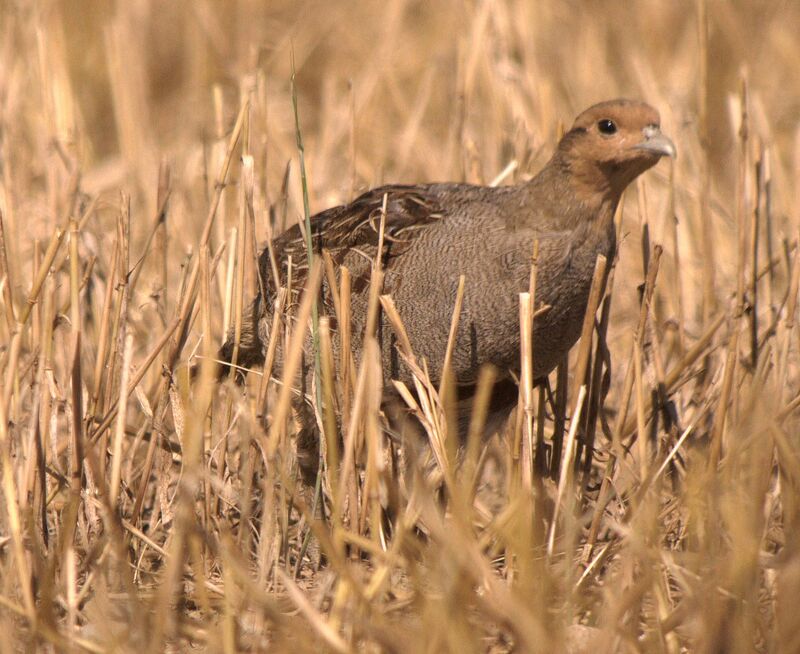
[(575, 191)]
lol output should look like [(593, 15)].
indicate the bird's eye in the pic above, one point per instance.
[(607, 126)]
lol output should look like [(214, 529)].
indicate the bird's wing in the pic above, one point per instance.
[(355, 227)]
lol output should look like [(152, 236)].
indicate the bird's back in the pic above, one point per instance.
[(434, 234)]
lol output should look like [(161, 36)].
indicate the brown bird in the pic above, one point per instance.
[(436, 232)]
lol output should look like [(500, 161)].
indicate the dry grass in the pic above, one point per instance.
[(143, 153)]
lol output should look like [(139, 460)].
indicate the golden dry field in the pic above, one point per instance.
[(148, 148)]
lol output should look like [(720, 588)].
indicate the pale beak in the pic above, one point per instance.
[(657, 143)]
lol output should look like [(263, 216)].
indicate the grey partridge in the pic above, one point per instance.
[(436, 232)]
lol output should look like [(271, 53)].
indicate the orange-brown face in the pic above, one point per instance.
[(622, 138)]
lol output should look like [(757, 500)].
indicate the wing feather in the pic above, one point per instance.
[(355, 227)]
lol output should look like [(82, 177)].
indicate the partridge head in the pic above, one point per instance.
[(609, 145)]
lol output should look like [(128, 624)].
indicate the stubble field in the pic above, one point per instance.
[(148, 148)]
